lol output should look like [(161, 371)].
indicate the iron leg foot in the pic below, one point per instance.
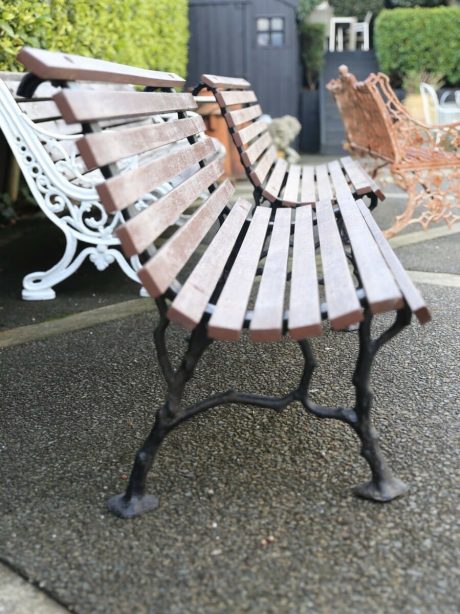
[(125, 507), (383, 491)]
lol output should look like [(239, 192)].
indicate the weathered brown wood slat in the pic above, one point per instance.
[(275, 181), (236, 118), (382, 293), (256, 149), (58, 66), (375, 188), (245, 135), (408, 289), (122, 190), (307, 187), (342, 303), (102, 148), (189, 305), (267, 319), (260, 172), (304, 304), (140, 231), (341, 187), (228, 83), (356, 175), (40, 110), (323, 184), (159, 272), (228, 99), (291, 190), (227, 320), (90, 106)]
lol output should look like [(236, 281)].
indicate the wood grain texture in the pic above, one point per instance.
[(228, 317), (228, 83), (244, 135), (91, 105), (102, 148), (228, 99), (382, 293), (343, 306), (292, 187), (40, 110), (140, 231), (411, 294), (275, 181), (159, 272), (267, 319), (304, 303), (307, 187), (242, 116), (339, 181), (323, 184), (260, 172), (64, 66), (253, 153), (189, 305), (357, 176), (123, 190)]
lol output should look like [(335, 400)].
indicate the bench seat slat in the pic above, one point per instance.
[(408, 289), (304, 305), (228, 83), (89, 105), (260, 172), (102, 148), (323, 183), (256, 149), (341, 187), (357, 177), (267, 319), (245, 135), (122, 190), (228, 99), (307, 187), (64, 66), (291, 190), (140, 231), (189, 305), (275, 181), (227, 320), (381, 290), (159, 272), (241, 116), (342, 303)]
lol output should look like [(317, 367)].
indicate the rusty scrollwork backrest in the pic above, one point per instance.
[(364, 107)]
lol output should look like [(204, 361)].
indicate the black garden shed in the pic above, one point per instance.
[(254, 39)]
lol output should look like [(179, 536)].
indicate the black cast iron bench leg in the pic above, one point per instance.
[(383, 486)]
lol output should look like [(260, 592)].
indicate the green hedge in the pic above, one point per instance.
[(148, 33), (419, 39), (356, 8)]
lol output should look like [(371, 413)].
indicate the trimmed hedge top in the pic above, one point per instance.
[(419, 39), (145, 33)]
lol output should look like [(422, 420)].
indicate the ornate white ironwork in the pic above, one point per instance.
[(53, 172)]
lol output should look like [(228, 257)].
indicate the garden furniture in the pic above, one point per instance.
[(232, 268)]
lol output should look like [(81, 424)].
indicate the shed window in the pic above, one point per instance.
[(270, 31)]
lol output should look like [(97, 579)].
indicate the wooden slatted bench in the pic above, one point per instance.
[(273, 178), (44, 148), (232, 268), (424, 160)]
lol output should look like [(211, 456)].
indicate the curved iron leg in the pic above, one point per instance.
[(383, 486), (135, 501)]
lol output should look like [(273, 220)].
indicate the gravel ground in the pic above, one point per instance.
[(256, 511)]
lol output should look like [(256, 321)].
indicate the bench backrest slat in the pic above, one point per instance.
[(105, 147), (90, 106), (64, 66), (246, 134), (158, 274), (242, 116), (260, 172), (139, 232), (123, 190), (228, 83)]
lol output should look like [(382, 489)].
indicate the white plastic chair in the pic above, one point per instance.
[(361, 31), (436, 111)]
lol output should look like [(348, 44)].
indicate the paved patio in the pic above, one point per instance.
[(256, 509)]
